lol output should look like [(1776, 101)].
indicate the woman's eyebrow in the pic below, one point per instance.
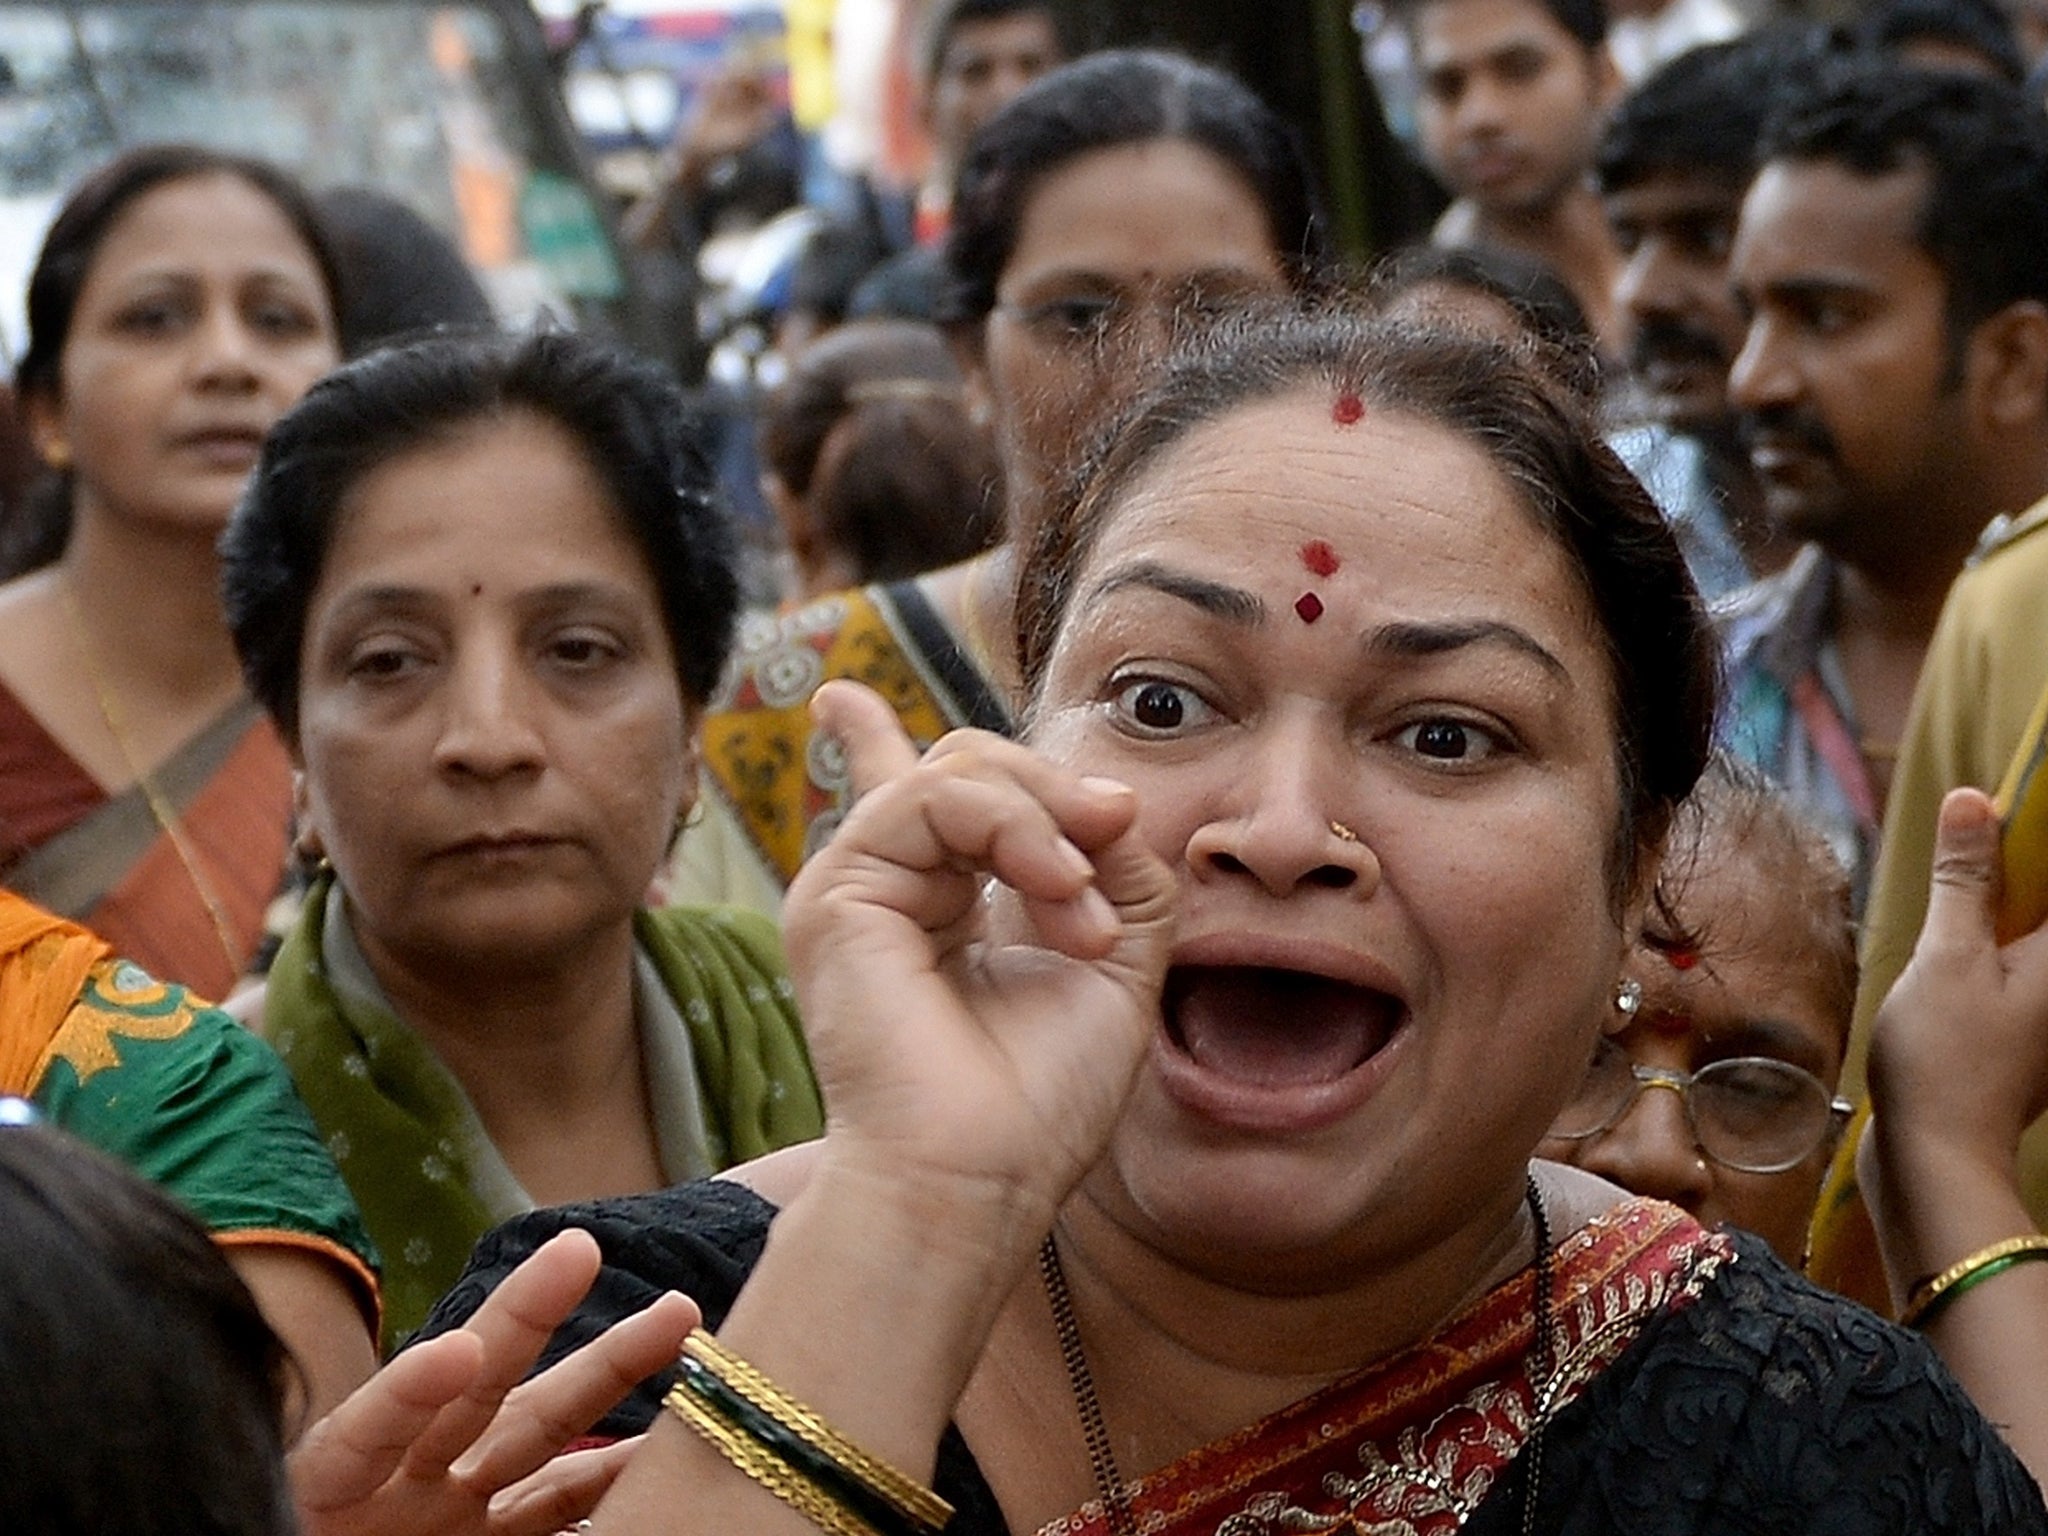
[(1415, 638), (1778, 1039), (1233, 604)]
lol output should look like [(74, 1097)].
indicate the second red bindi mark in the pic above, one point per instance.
[(1348, 411), (1309, 607), (1320, 558)]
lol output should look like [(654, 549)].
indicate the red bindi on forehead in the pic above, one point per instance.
[(1320, 558), (1308, 607), (1349, 409)]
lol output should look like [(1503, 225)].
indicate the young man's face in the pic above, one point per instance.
[(985, 62), (1512, 102), (1675, 228), (1845, 380)]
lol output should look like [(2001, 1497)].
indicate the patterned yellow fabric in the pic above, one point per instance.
[(788, 788)]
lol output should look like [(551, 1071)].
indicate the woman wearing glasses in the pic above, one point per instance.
[(1736, 998)]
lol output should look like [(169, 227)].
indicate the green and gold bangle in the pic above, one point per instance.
[(717, 1385), (1931, 1296)]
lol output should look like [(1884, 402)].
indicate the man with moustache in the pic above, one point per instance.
[(1985, 673), (1513, 96), (1671, 169), (1892, 255)]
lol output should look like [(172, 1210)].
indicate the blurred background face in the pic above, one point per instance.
[(1116, 250), (986, 62), (1753, 989), (1675, 230), (202, 318), (1511, 102)]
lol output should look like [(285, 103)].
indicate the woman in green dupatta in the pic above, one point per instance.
[(483, 590)]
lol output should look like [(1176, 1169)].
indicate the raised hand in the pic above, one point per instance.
[(1960, 1047), (978, 954), (446, 1440)]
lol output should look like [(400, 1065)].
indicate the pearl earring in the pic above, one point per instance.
[(1628, 997)]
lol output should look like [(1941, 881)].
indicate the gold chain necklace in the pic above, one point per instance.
[(160, 809), (1115, 1493)]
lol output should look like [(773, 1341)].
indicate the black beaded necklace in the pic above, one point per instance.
[(1115, 1493)]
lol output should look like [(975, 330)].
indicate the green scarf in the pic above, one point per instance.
[(395, 1118)]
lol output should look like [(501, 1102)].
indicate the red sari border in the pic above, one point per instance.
[(1411, 1445)]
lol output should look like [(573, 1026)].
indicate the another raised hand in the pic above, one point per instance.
[(979, 953), (447, 1440), (1958, 1069)]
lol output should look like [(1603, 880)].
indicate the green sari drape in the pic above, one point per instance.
[(410, 1146)]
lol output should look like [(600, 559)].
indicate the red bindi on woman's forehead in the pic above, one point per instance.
[(1349, 410), (1308, 607), (1320, 558)]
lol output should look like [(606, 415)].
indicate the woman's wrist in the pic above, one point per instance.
[(967, 1227), (899, 1283), (1928, 1297), (1935, 1202)]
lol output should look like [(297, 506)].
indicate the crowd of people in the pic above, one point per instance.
[(1402, 899)]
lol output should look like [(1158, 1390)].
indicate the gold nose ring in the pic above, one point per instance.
[(1342, 833)]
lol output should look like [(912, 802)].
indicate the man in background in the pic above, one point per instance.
[(1671, 169), (1513, 97), (1892, 255)]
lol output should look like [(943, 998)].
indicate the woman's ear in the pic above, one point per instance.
[(39, 413), (307, 842), (689, 774)]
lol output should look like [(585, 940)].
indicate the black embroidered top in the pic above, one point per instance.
[(1766, 1406)]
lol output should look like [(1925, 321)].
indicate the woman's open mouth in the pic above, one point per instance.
[(1272, 1048)]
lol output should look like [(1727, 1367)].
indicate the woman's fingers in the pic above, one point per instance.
[(927, 830), (1962, 902), (867, 731), (353, 1451), (924, 853), (541, 1416), (514, 1324), (564, 1491)]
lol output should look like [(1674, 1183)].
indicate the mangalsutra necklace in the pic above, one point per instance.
[(160, 809), (1115, 1494)]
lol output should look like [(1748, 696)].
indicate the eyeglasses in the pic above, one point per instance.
[(1749, 1113)]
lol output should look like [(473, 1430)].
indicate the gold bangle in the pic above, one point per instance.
[(768, 1469), (911, 1497), (1927, 1293)]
